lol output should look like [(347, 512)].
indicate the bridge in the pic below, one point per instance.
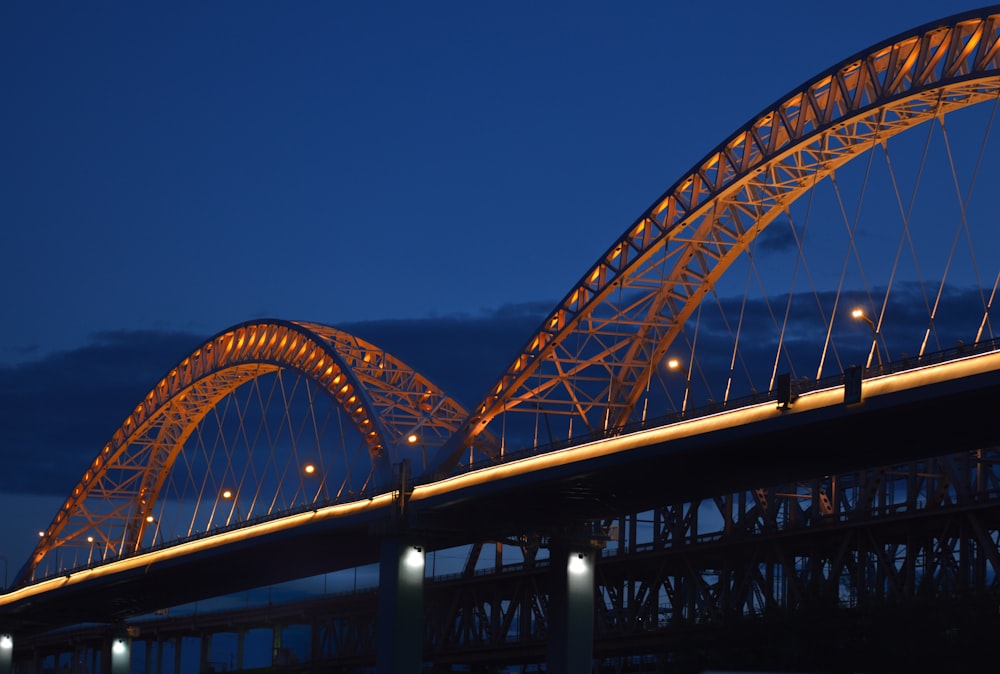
[(685, 364)]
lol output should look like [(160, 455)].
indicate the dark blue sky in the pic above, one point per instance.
[(190, 166), (435, 174)]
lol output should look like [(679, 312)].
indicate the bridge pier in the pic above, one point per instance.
[(571, 608), (399, 632), (121, 654), (6, 652)]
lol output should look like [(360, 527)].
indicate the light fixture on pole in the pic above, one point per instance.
[(413, 439), (860, 314)]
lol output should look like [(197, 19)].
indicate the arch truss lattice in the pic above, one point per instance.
[(594, 354), (118, 501)]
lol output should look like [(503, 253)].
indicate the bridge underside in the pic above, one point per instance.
[(784, 446), (895, 571), (906, 425)]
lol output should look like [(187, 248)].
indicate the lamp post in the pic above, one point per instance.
[(412, 439), (860, 314), (674, 365), (228, 494)]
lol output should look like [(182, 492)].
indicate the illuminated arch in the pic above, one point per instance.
[(386, 400), (593, 354)]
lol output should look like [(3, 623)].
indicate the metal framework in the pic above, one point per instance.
[(865, 564), (387, 401), (593, 355), (596, 352), (913, 539)]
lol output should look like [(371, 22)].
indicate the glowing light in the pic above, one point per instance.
[(860, 314), (227, 494), (309, 469), (119, 646), (415, 557), (150, 519), (577, 563), (412, 438), (6, 641), (673, 363), (90, 539)]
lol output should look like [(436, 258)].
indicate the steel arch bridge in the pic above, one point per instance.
[(272, 416)]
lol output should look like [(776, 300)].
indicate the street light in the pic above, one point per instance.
[(412, 439), (674, 365), (860, 314), (228, 495)]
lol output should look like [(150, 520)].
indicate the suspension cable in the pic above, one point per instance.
[(962, 226), (906, 235), (851, 228)]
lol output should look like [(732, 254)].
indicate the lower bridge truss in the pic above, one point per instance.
[(894, 567)]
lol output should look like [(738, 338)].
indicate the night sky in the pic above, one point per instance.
[(431, 176)]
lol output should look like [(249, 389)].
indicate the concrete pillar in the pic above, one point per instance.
[(206, 648), (178, 645), (6, 652), (571, 610), (241, 643), (121, 654), (276, 635), (400, 630)]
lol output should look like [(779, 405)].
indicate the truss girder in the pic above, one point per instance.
[(923, 531), (386, 400), (600, 344), (478, 617), (922, 535), (917, 531)]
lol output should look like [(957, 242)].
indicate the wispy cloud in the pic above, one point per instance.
[(58, 411)]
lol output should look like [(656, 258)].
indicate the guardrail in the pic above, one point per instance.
[(798, 387)]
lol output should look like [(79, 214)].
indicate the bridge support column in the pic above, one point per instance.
[(121, 654), (400, 630), (571, 609), (6, 652)]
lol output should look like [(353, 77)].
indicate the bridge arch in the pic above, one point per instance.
[(593, 354), (388, 403)]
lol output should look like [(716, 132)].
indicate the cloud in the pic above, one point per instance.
[(464, 355), (59, 411), (778, 237)]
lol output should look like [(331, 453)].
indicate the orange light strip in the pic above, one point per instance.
[(209, 542), (745, 416), (872, 388)]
